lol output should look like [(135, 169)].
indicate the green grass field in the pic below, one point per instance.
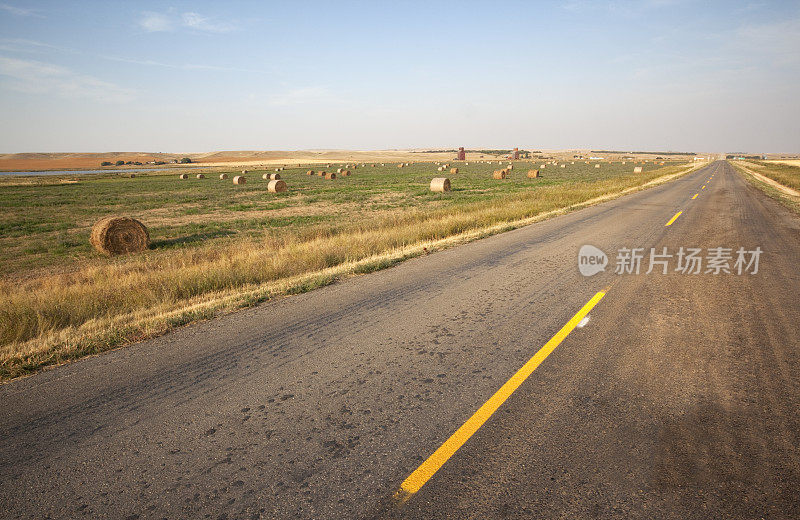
[(47, 224), (217, 246)]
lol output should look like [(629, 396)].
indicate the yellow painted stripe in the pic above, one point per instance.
[(673, 219), (695, 196), (704, 187), (425, 471)]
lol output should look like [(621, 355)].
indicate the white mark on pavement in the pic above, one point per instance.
[(583, 322)]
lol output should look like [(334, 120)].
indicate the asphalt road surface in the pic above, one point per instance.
[(678, 398)]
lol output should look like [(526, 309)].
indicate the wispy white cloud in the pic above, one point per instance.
[(197, 66), (171, 21), (155, 22), (185, 66), (45, 78), (19, 11), (776, 42), (301, 96), (25, 46), (201, 23), (618, 6)]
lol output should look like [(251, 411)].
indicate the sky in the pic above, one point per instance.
[(671, 75)]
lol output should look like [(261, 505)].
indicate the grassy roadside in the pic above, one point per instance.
[(97, 304), (781, 173), (784, 174)]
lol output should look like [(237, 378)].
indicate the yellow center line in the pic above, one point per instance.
[(425, 471), (704, 187), (695, 196), (673, 219)]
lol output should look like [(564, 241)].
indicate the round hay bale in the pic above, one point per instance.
[(345, 173), (440, 184), (400, 165), (133, 175), (533, 174), (201, 176), (310, 172), (266, 176), (274, 176), (183, 176), (276, 186), (244, 172), (330, 176), (499, 174), (239, 179), (637, 169), (453, 170), (562, 165), (322, 173), (119, 235), (440, 169), (542, 166), (372, 165), (596, 165), (223, 176), (339, 170)]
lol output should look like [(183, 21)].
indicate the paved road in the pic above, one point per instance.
[(678, 398)]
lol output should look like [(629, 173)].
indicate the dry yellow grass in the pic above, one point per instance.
[(788, 162)]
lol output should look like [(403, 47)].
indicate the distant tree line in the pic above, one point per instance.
[(184, 160), (502, 152), (649, 153), (484, 152)]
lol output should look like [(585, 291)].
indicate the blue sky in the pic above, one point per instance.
[(201, 76)]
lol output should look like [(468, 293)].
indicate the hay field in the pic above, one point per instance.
[(788, 162), (70, 161), (217, 247), (782, 172)]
